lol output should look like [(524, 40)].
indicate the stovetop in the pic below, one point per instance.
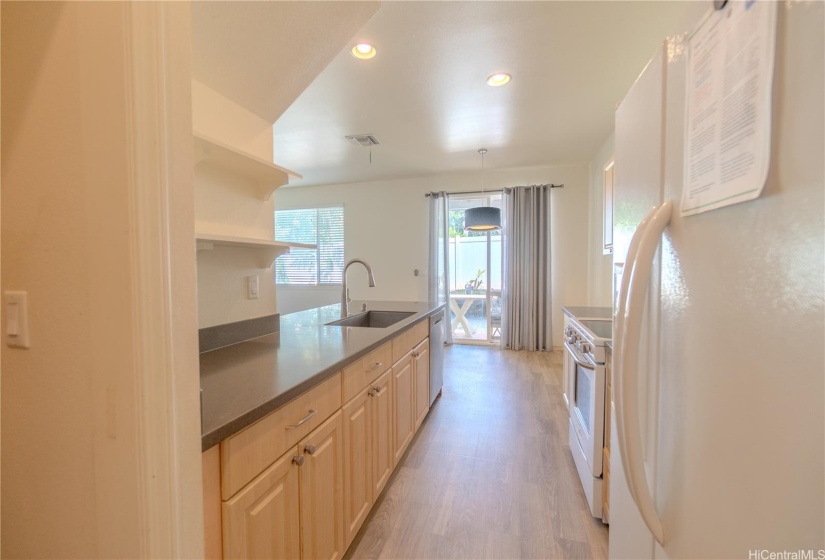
[(600, 331), (589, 336)]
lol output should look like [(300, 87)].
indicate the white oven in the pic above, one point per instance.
[(585, 376), (587, 406)]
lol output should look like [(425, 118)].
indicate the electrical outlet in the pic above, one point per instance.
[(252, 287)]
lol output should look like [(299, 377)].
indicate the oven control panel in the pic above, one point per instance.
[(587, 343)]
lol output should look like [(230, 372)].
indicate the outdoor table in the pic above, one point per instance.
[(461, 311)]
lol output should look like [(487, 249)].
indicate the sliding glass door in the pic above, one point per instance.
[(475, 274)]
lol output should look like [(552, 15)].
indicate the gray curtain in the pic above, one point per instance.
[(526, 309), (439, 275)]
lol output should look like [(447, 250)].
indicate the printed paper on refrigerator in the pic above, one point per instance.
[(728, 109)]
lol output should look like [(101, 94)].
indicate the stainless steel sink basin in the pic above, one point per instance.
[(372, 319)]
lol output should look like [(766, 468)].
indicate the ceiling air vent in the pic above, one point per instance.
[(365, 140)]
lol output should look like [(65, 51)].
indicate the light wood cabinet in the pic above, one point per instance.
[(566, 372), (408, 340), (262, 520), (250, 451), (364, 371), (300, 482), (608, 410), (368, 451), (358, 461), (211, 468), (421, 374), (382, 433), (606, 486), (403, 419), (322, 491), (294, 509)]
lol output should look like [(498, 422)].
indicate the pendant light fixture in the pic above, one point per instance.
[(482, 218)]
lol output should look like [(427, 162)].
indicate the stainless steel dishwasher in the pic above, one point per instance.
[(436, 355)]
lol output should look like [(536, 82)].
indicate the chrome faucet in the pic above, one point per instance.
[(345, 300)]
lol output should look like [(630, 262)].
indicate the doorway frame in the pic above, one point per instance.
[(158, 38), (489, 340)]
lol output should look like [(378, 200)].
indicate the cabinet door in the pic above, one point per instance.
[(403, 419), (261, 520), (382, 433), (358, 462), (322, 495), (421, 370), (565, 368)]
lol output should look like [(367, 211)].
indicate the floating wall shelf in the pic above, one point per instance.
[(267, 249), (265, 175)]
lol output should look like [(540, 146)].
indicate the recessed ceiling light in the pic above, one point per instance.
[(363, 50), (498, 79)]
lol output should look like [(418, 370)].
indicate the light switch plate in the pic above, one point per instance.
[(17, 319), (252, 287)]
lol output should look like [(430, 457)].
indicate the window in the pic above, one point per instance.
[(323, 227)]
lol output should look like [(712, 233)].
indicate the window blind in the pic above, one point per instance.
[(323, 227)]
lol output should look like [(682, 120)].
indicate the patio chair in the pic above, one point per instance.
[(495, 313)]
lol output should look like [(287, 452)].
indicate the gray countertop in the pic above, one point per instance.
[(244, 382), (581, 312)]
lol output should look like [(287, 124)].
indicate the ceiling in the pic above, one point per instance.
[(425, 95), (262, 55)]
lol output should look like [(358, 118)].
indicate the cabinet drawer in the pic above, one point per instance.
[(366, 370), (247, 453), (408, 340)]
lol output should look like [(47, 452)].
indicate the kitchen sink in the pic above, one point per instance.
[(372, 319)]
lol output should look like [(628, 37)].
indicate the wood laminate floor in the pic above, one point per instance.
[(489, 474)]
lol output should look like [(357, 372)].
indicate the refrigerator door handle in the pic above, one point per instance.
[(630, 261), (629, 398)]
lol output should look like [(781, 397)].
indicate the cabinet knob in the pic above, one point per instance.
[(377, 390), (298, 460), (310, 449), (371, 393)]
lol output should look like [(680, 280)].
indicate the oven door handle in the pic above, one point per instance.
[(575, 355), (629, 397)]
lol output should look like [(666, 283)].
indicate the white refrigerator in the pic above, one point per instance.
[(724, 443)]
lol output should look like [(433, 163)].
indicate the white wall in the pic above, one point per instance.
[(599, 265), (217, 117), (224, 206), (80, 463), (387, 224)]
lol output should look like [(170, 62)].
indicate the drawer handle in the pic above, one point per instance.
[(298, 460), (377, 390), (375, 367), (303, 420), (311, 449)]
